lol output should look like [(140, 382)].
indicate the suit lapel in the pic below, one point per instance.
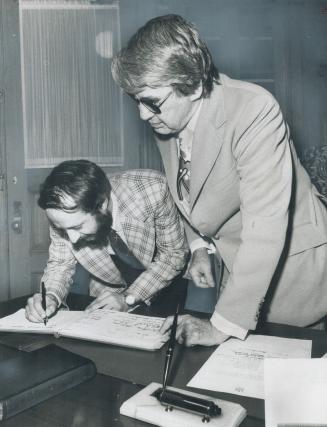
[(169, 154), (139, 236), (207, 142), (208, 139)]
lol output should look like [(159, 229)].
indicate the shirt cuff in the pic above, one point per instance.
[(60, 302), (201, 243), (228, 327)]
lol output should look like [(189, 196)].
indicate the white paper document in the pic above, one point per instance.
[(295, 392), (106, 326), (237, 366)]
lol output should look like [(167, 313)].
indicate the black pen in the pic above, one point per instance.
[(170, 350), (44, 301)]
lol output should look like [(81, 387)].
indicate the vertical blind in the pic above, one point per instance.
[(71, 106)]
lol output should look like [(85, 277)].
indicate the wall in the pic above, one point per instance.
[(280, 44)]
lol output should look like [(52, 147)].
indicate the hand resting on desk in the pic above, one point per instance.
[(34, 311), (193, 331), (108, 299)]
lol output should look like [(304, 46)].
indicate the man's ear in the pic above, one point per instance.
[(198, 93)]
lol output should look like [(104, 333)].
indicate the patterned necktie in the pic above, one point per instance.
[(125, 261)]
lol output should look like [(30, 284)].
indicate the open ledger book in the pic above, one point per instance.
[(106, 326)]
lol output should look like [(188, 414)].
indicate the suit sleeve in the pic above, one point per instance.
[(264, 164), (171, 249), (60, 267)]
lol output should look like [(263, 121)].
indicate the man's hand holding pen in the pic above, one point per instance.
[(34, 311), (193, 331)]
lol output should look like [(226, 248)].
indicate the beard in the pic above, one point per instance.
[(100, 238)]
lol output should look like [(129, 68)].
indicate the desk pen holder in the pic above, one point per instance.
[(146, 407), (172, 399)]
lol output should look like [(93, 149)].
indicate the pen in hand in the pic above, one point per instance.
[(170, 350), (44, 302)]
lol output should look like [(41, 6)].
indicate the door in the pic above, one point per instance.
[(61, 103), (4, 257)]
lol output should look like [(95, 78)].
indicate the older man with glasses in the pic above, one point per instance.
[(235, 177), (150, 104)]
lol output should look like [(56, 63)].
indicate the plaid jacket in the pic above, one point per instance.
[(152, 228)]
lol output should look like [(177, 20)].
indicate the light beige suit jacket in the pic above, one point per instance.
[(250, 194)]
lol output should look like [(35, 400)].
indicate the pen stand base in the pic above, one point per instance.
[(146, 407)]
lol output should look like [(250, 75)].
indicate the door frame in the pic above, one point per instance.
[(4, 238), (19, 282)]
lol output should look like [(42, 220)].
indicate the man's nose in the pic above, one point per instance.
[(145, 114), (73, 235)]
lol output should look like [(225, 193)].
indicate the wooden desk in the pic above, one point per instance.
[(96, 403)]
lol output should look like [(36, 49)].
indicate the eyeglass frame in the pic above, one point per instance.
[(154, 109)]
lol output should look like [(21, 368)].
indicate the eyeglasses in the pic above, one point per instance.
[(151, 105)]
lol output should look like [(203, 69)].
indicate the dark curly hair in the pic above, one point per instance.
[(83, 181)]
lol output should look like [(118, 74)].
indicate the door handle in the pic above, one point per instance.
[(17, 221)]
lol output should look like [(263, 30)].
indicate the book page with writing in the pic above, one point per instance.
[(295, 392), (17, 322), (107, 326), (237, 366), (120, 328)]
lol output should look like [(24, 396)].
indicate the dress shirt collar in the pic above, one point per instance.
[(185, 136)]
